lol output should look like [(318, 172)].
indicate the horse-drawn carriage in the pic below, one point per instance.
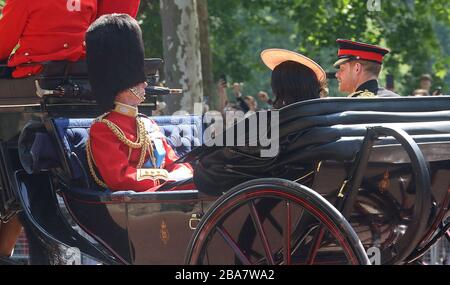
[(352, 177)]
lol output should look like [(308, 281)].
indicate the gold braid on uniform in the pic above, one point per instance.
[(365, 94), (143, 142)]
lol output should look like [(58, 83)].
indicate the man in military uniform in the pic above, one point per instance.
[(50, 30), (125, 150), (359, 67)]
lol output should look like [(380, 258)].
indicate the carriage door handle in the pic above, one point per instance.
[(194, 221)]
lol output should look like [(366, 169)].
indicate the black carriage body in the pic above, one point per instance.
[(320, 141), (129, 227), (123, 227), (145, 228)]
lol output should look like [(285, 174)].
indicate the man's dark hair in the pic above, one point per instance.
[(294, 82), (371, 67)]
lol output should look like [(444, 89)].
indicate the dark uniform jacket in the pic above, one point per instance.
[(371, 89)]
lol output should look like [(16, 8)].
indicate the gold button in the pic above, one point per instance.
[(27, 54), (66, 45), (29, 74), (84, 43)]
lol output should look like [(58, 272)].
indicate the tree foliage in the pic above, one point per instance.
[(415, 31), (407, 27), (150, 20)]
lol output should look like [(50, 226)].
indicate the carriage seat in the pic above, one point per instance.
[(67, 149)]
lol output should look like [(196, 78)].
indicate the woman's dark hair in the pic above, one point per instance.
[(294, 82)]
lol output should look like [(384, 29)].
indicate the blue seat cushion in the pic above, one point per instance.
[(182, 133)]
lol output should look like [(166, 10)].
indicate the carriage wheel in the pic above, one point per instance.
[(301, 227)]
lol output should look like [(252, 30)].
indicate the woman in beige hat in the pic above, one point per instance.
[(295, 77)]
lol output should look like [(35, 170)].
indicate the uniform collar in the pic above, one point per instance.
[(127, 110), (371, 86)]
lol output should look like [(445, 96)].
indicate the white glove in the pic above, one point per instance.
[(180, 174)]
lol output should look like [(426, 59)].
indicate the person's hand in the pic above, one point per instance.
[(180, 174), (160, 105), (263, 96), (237, 89), (222, 89), (221, 85), (437, 92), (222, 93)]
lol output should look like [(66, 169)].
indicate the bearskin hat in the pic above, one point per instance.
[(115, 57)]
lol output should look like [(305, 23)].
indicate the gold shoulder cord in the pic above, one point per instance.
[(366, 94), (362, 94), (91, 165), (143, 142)]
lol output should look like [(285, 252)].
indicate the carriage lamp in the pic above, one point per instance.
[(157, 90)]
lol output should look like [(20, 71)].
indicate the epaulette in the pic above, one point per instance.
[(100, 118), (366, 94)]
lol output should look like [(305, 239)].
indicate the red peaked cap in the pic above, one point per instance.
[(351, 50)]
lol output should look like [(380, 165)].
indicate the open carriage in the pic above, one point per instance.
[(353, 179)]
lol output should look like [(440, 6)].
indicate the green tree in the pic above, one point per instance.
[(417, 33), (408, 28), (150, 20), (2, 3)]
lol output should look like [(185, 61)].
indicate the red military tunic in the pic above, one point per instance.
[(50, 30), (114, 162), (129, 7)]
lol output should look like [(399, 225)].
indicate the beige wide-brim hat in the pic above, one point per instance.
[(274, 56)]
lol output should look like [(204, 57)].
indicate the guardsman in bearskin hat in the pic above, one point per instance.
[(126, 150), (359, 66), (50, 30)]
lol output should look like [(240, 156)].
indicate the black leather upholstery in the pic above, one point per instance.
[(328, 129)]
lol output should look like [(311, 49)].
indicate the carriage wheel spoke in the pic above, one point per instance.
[(275, 224), (315, 245), (207, 257), (296, 244), (233, 245), (287, 236), (259, 227)]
